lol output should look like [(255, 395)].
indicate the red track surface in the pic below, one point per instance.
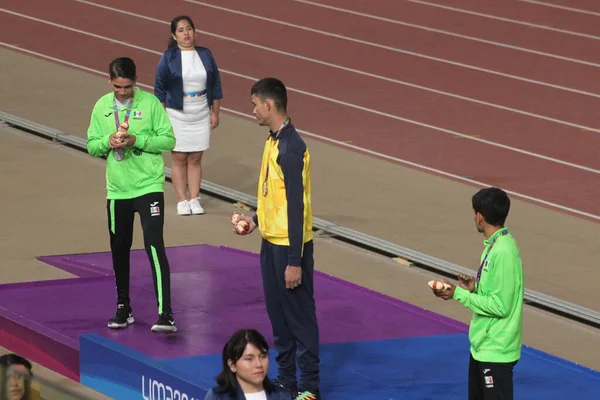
[(355, 114), (458, 80), (589, 5), (489, 28), (533, 13)]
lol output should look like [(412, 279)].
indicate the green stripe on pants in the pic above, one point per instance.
[(112, 216), (157, 271)]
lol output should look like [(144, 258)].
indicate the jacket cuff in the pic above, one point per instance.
[(460, 294), (294, 261), (140, 141)]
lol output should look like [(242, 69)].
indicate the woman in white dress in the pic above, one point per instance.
[(188, 83)]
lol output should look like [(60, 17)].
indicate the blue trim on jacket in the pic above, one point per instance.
[(277, 393), (168, 81)]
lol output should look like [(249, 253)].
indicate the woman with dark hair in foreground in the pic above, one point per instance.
[(244, 374), (16, 373)]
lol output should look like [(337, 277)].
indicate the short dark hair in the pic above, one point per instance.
[(174, 22), (271, 88), (7, 360), (122, 67), (233, 350), (493, 204)]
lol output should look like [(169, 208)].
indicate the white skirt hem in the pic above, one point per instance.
[(191, 126)]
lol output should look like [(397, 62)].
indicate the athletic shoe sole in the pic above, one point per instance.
[(164, 328), (114, 325)]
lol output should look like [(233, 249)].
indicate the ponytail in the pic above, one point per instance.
[(171, 43)]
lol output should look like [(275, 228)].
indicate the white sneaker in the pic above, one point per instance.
[(196, 207), (183, 208)]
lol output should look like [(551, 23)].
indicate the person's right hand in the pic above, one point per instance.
[(466, 282), (115, 140), (249, 221)]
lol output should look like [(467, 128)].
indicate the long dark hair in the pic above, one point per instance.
[(233, 350), (13, 359), (174, 22)]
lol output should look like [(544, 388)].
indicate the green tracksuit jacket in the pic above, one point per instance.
[(495, 331), (142, 170)]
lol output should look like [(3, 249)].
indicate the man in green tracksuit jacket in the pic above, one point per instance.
[(495, 296), (131, 128)]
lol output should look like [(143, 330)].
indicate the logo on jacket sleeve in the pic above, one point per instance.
[(489, 381), (154, 209)]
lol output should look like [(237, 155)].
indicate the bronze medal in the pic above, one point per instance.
[(265, 188)]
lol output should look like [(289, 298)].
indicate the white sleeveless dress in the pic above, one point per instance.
[(192, 125)]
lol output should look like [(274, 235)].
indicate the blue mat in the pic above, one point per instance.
[(432, 367)]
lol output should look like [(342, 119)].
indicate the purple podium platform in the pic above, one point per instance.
[(215, 291)]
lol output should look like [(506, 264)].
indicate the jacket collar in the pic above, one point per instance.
[(277, 134), (496, 234), (240, 394), (136, 98)]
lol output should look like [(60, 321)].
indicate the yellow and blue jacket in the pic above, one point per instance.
[(284, 213)]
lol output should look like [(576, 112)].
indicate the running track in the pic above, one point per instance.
[(498, 93)]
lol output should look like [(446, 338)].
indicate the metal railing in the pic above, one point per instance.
[(541, 300)]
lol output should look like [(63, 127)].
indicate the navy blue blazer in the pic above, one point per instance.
[(278, 393), (168, 82)]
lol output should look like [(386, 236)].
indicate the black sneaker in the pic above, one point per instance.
[(122, 318), (165, 323), (291, 389)]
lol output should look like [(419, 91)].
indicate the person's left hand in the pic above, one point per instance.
[(445, 293), (129, 140), (293, 277), (214, 120)]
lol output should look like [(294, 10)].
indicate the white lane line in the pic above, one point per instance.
[(509, 20), (393, 49), (578, 10), (388, 79), (508, 46), (339, 143), (332, 100)]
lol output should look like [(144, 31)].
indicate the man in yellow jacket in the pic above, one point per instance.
[(284, 218)]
